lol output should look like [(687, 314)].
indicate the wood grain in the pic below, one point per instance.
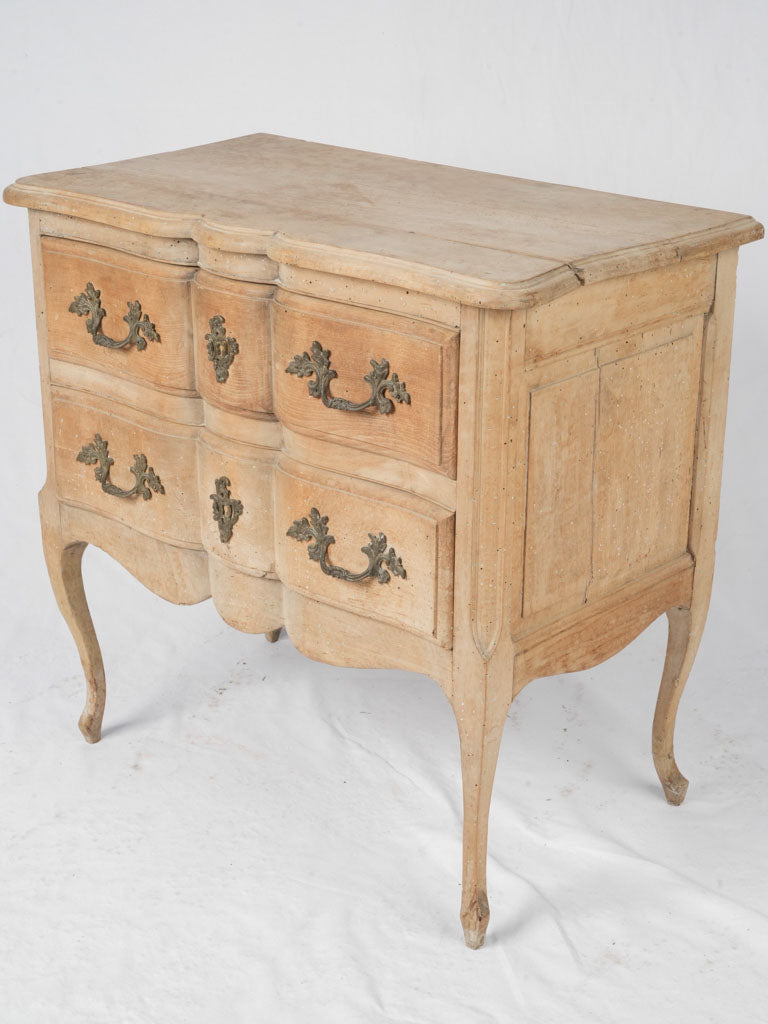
[(171, 452), (584, 639), (250, 471), (314, 627), (685, 629), (174, 572), (644, 460), (423, 357), (161, 288), (248, 602), (558, 538), (246, 312), (552, 487), (481, 239), (619, 305), (421, 534)]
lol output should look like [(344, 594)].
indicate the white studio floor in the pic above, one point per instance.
[(259, 837)]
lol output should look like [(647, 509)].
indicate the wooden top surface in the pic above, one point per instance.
[(480, 238)]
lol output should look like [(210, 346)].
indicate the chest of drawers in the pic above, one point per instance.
[(423, 418)]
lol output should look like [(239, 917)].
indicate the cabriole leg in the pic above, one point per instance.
[(64, 568), (480, 730), (682, 645)]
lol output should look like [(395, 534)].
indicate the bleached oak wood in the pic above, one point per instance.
[(176, 572), (423, 356), (619, 305), (64, 561), (489, 545), (248, 601), (579, 640), (250, 472), (476, 238), (170, 450), (687, 625), (551, 489), (370, 294), (558, 541), (246, 312), (338, 636), (421, 534), (643, 460), (127, 393), (162, 289), (369, 465), (183, 251)]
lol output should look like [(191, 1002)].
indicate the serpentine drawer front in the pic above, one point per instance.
[(379, 382), (423, 418), (127, 316)]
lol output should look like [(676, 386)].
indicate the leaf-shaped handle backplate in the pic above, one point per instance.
[(96, 453), (385, 390), (140, 327), (382, 563)]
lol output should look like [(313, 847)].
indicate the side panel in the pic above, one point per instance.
[(558, 539), (612, 434), (644, 460), (620, 305)]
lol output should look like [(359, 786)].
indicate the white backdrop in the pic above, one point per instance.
[(263, 838)]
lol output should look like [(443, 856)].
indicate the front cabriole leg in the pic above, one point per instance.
[(64, 560), (481, 711)]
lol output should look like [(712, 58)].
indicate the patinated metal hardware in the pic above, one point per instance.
[(380, 561), (221, 349), (140, 328), (318, 362), (97, 453), (226, 509)]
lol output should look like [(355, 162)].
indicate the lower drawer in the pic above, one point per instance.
[(389, 556), (126, 466)]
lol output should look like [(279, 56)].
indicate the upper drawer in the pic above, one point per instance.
[(364, 378), (123, 314)]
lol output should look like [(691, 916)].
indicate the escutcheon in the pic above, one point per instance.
[(221, 348), (226, 509)]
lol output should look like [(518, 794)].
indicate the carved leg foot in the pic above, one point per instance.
[(64, 569), (273, 635), (475, 914), (481, 723), (681, 650)]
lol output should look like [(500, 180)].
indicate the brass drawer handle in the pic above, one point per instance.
[(226, 509), (319, 364), (380, 560), (98, 452), (140, 328), (221, 349)]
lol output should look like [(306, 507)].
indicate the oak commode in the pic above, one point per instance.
[(424, 418)]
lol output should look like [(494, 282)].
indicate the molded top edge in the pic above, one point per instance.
[(473, 237)]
